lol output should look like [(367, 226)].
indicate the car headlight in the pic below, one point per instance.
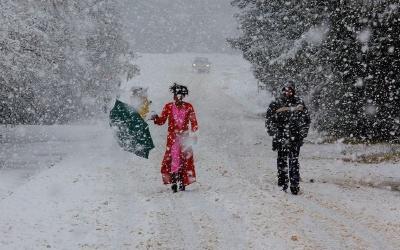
[(207, 65), (194, 65)]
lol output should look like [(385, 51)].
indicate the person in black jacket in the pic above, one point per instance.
[(288, 121)]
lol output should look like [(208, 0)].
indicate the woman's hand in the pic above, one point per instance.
[(153, 115)]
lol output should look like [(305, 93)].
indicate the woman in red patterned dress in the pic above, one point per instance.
[(178, 164)]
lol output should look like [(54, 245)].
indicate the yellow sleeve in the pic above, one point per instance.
[(144, 109)]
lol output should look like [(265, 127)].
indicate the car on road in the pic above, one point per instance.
[(201, 65)]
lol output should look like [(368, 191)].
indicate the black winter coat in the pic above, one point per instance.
[(288, 128)]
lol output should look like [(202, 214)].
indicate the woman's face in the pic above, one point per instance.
[(178, 97)]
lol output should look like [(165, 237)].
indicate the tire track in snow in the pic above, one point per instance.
[(377, 233), (330, 226)]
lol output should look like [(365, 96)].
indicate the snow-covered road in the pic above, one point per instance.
[(99, 197)]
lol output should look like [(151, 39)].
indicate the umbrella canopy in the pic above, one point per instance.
[(132, 131)]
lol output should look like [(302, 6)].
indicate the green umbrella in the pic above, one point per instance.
[(132, 131)]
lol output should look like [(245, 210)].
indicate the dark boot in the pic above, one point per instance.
[(294, 189), (283, 181), (174, 187), (180, 180), (181, 186)]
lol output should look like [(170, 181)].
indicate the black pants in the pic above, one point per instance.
[(291, 156)]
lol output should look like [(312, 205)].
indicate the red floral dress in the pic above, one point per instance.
[(179, 119)]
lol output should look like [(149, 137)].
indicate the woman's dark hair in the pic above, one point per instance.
[(177, 89)]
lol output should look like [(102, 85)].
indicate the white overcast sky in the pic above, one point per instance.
[(166, 26)]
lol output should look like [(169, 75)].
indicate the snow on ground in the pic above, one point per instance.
[(83, 192), (27, 150)]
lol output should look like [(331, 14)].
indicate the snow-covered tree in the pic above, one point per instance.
[(341, 54), (278, 38), (60, 60), (363, 96)]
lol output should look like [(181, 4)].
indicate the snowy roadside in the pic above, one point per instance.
[(28, 150), (74, 204)]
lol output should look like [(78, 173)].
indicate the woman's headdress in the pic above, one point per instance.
[(177, 89)]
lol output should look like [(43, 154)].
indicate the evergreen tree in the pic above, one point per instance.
[(342, 54), (275, 38), (360, 100)]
